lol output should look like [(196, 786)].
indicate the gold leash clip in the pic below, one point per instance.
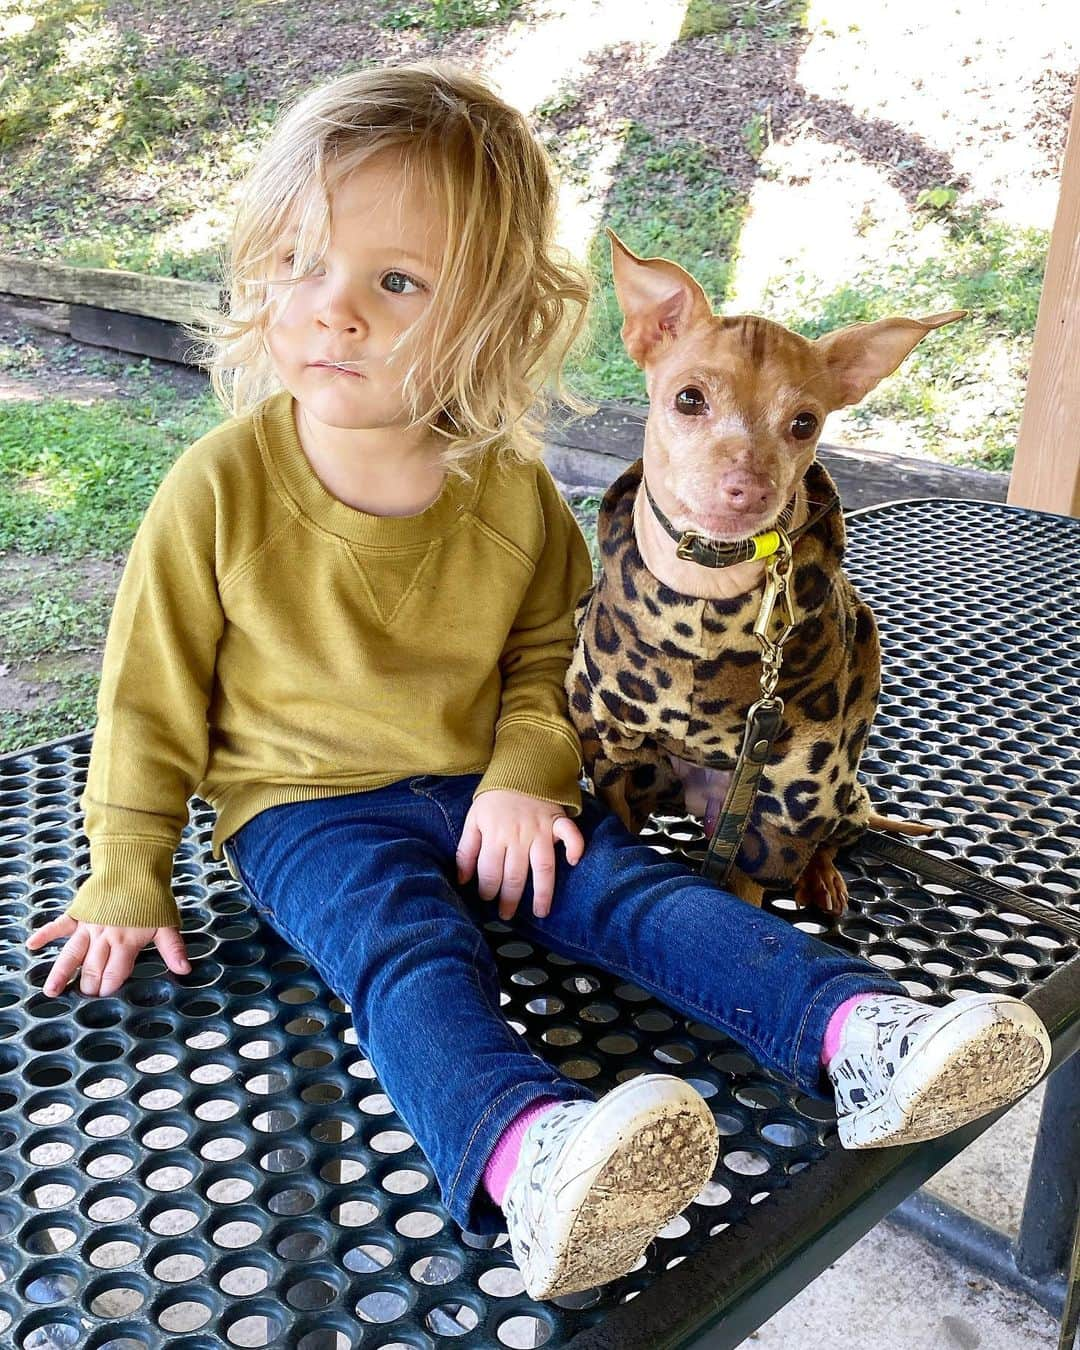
[(777, 589)]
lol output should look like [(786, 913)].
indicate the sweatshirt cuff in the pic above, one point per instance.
[(537, 758), (130, 885)]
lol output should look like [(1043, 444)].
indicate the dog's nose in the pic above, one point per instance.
[(744, 494)]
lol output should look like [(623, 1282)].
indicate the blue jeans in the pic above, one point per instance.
[(364, 886)]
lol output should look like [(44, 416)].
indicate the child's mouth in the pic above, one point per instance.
[(340, 370)]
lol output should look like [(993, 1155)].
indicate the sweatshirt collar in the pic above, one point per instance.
[(293, 475)]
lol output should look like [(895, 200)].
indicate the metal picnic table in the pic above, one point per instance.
[(208, 1160)]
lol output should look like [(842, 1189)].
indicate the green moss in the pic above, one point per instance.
[(733, 21), (705, 16)]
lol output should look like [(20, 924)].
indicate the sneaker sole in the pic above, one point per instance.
[(663, 1148), (944, 1083)]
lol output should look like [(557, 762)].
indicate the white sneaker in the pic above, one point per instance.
[(906, 1071), (595, 1181)]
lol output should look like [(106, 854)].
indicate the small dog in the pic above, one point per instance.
[(666, 664)]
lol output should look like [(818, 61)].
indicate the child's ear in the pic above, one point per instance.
[(659, 300), (860, 356)]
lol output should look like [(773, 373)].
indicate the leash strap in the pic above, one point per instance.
[(762, 726), (947, 873), (763, 721)]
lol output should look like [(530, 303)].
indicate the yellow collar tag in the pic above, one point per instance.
[(765, 545)]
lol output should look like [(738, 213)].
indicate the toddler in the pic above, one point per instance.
[(345, 621)]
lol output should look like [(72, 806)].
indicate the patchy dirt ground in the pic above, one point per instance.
[(884, 99), (831, 130)]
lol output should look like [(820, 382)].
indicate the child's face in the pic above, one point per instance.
[(374, 281)]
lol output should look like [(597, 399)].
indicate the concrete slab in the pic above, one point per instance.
[(893, 1291), (896, 1291), (990, 1177)]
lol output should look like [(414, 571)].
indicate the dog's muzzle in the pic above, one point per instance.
[(699, 548)]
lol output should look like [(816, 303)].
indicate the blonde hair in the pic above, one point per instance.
[(508, 302)]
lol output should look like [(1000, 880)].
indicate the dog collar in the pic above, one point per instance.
[(698, 548)]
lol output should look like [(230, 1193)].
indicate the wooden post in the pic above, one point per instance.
[(1046, 471)]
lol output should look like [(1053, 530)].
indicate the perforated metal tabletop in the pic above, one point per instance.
[(208, 1160)]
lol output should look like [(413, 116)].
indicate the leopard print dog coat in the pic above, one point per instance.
[(657, 674)]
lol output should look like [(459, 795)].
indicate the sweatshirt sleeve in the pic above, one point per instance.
[(537, 750), (150, 743)]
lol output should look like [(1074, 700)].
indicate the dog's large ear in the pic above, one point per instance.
[(659, 300), (860, 356)]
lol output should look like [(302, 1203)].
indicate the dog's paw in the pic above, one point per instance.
[(821, 886)]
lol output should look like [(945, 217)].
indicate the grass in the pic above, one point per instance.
[(76, 478), (732, 21), (88, 110), (585, 509), (73, 709), (110, 144), (50, 632), (54, 620), (41, 634)]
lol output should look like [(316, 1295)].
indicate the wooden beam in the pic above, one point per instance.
[(171, 298), (136, 333), (1046, 471)]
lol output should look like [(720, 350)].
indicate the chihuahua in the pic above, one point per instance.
[(666, 665)]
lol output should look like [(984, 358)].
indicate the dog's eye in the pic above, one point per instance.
[(690, 401), (803, 425)]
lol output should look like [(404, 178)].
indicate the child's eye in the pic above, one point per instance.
[(398, 277), (287, 261), (395, 281)]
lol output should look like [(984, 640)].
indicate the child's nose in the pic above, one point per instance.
[(341, 311)]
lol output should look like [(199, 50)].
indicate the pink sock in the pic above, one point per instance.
[(504, 1157), (836, 1023)]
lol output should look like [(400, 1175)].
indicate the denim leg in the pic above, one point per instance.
[(643, 915), (361, 886)]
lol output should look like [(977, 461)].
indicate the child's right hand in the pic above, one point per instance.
[(106, 953)]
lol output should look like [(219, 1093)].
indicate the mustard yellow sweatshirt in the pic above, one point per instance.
[(269, 643)]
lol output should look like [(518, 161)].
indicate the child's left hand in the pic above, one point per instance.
[(509, 832)]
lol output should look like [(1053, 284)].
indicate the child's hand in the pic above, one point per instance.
[(509, 832), (106, 953)]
